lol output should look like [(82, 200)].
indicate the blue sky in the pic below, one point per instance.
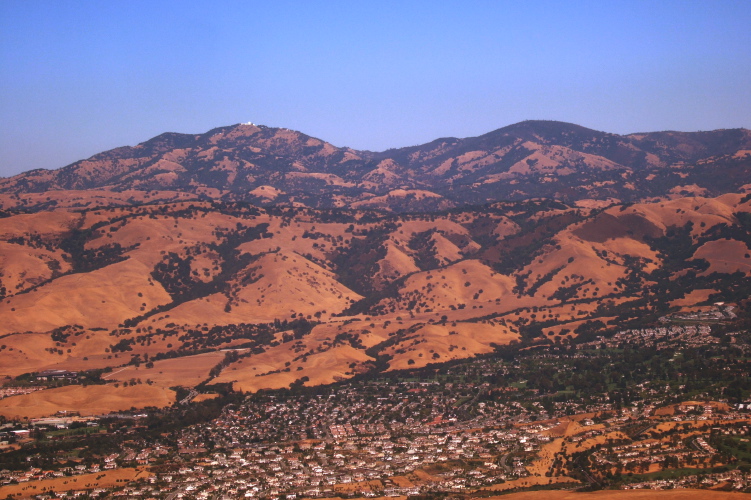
[(80, 77)]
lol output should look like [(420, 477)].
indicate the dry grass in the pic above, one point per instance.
[(396, 263), (104, 479), (52, 223), (624, 495), (323, 367), (693, 425), (90, 198), (586, 444), (101, 298), (725, 256), (456, 286), (290, 237), (671, 409), (545, 457), (205, 397), (24, 267), (362, 486), (90, 400), (402, 481), (527, 482), (438, 343), (678, 212), (25, 353), (187, 371), (693, 297), (280, 284)]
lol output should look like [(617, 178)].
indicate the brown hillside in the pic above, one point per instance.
[(308, 296)]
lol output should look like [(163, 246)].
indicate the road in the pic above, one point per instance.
[(187, 399)]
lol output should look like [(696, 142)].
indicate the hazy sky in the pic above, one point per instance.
[(80, 77)]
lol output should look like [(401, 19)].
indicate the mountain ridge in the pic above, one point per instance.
[(534, 158)]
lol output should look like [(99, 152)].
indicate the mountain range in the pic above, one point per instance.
[(252, 257), (532, 159)]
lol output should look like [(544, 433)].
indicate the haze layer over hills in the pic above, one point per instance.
[(262, 257)]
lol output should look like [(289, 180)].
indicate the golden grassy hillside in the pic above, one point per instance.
[(314, 296), (90, 400)]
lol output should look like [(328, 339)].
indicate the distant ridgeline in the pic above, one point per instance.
[(272, 166)]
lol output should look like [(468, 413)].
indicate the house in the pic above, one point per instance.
[(56, 375)]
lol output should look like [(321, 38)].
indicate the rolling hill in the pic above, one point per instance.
[(259, 258), (299, 295)]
